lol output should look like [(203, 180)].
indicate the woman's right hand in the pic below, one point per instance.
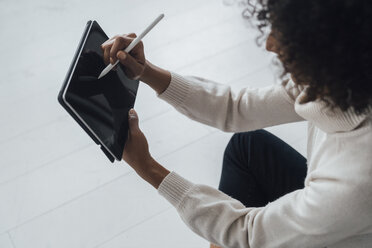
[(134, 63)]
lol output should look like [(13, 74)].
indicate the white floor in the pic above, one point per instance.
[(56, 187)]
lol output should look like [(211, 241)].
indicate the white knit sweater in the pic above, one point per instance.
[(335, 207)]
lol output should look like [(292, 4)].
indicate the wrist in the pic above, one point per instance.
[(156, 77), (154, 173), (146, 74)]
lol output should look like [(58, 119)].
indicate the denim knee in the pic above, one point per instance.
[(238, 138), (240, 143)]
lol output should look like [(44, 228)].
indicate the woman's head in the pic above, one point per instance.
[(324, 44)]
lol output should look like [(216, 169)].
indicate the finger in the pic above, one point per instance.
[(130, 64), (132, 35), (106, 55), (138, 47), (133, 121), (119, 43), (109, 41)]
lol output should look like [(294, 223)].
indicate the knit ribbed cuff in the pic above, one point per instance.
[(177, 90), (174, 188)]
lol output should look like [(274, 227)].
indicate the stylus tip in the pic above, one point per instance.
[(107, 70), (101, 75)]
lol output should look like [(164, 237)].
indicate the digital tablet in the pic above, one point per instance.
[(99, 106)]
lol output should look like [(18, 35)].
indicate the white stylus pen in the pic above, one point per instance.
[(132, 44)]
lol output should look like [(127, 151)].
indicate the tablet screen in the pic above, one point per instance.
[(103, 104)]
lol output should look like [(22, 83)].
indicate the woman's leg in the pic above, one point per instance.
[(258, 168)]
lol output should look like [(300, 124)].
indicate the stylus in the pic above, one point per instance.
[(132, 44)]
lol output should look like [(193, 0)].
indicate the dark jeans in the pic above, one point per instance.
[(258, 168)]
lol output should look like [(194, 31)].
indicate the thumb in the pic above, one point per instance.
[(127, 60), (133, 121)]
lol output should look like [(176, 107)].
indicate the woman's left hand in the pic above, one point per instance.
[(136, 154)]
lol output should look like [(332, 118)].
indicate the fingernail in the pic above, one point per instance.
[(121, 55), (111, 61), (108, 42), (132, 114)]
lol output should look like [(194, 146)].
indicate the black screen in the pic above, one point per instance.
[(103, 103)]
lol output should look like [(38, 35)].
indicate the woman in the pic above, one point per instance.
[(270, 196)]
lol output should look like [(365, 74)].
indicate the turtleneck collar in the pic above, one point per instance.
[(328, 120)]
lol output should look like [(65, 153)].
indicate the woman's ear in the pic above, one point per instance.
[(271, 43)]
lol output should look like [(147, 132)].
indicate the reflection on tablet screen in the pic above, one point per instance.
[(103, 104)]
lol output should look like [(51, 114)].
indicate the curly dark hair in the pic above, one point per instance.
[(325, 44)]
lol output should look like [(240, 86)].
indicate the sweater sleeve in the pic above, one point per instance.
[(315, 216), (219, 106)]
